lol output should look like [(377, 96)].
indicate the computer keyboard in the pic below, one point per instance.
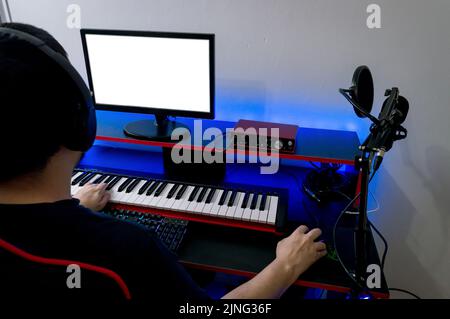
[(170, 231)]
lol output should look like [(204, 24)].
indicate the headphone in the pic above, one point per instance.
[(82, 124)]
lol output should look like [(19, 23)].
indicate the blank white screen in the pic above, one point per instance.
[(150, 72)]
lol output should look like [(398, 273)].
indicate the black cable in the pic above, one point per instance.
[(405, 291), (314, 165), (320, 182), (386, 246), (338, 219), (334, 235)]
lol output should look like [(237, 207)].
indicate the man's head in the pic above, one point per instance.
[(36, 105)]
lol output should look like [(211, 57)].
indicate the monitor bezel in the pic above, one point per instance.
[(145, 110)]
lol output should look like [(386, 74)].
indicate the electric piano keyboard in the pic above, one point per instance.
[(258, 208)]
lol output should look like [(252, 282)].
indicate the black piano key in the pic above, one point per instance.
[(210, 196), (262, 205), (85, 180), (133, 185), (79, 178), (100, 179), (73, 173), (152, 188), (173, 190), (125, 184), (223, 197), (181, 192), (245, 200), (202, 195), (113, 182), (232, 198), (254, 201), (144, 187), (193, 193), (160, 189), (109, 178)]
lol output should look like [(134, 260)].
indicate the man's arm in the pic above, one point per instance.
[(294, 255)]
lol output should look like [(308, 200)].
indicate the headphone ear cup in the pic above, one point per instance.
[(82, 127)]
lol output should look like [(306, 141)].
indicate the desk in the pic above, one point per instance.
[(239, 251)]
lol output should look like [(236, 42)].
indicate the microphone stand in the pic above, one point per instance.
[(363, 163), (383, 132)]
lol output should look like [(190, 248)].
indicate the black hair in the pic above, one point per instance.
[(34, 104)]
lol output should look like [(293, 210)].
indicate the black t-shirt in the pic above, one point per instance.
[(67, 230)]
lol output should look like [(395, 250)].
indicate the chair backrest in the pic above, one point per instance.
[(25, 274)]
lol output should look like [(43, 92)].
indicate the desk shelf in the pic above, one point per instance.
[(315, 145)]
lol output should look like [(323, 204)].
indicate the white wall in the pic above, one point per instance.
[(283, 60)]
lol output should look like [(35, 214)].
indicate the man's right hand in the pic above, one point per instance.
[(299, 251), (93, 196)]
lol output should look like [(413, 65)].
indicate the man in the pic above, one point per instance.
[(39, 215)]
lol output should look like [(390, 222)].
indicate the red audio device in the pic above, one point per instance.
[(285, 143)]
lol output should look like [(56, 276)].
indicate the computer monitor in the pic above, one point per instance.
[(160, 73)]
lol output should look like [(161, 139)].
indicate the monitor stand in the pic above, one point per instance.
[(159, 129)]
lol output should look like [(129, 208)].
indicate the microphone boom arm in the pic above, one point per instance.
[(368, 115)]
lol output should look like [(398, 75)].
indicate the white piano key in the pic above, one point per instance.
[(115, 195), (201, 205), (271, 218), (192, 205), (215, 205), (265, 213), (247, 211), (170, 201), (119, 195), (74, 188), (77, 174), (154, 199), (239, 210), (161, 198), (207, 208), (223, 209), (122, 197), (183, 203), (148, 199), (254, 216), (231, 210), (139, 199), (130, 198), (164, 194)]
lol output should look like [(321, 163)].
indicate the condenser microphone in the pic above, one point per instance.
[(391, 129)]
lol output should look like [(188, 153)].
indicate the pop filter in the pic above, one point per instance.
[(362, 90)]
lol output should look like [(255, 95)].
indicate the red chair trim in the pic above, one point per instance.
[(62, 262)]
